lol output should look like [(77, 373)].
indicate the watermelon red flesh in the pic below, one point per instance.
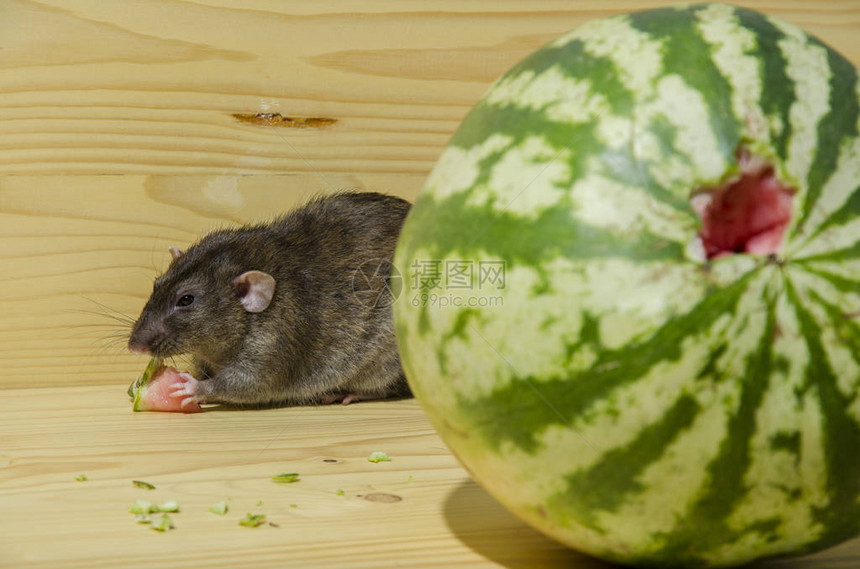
[(748, 215), (154, 395)]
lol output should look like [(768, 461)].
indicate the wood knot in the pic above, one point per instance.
[(382, 497), (277, 119)]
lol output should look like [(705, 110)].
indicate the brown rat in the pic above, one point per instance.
[(289, 312)]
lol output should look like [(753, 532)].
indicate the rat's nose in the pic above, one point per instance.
[(137, 346), (142, 338)]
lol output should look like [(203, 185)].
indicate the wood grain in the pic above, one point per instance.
[(419, 510), (152, 87)]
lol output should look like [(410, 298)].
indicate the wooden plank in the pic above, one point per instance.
[(153, 87), (419, 510)]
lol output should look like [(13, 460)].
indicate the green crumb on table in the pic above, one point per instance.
[(378, 456), (143, 507), (294, 505), (340, 492), (143, 519), (253, 520), (142, 484), (81, 477), (259, 503), (147, 507), (170, 506), (410, 479), (163, 524), (286, 477), (220, 508)]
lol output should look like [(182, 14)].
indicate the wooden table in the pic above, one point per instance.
[(126, 127), (419, 510)]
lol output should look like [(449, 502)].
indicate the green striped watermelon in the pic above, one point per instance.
[(631, 298)]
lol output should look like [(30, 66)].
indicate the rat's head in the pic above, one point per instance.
[(200, 306)]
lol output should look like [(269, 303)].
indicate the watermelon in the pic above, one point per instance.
[(631, 299), (151, 390)]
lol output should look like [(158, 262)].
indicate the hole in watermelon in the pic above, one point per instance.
[(747, 215)]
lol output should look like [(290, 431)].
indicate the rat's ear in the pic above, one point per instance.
[(174, 252), (255, 290)]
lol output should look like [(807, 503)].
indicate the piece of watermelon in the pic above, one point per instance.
[(151, 390)]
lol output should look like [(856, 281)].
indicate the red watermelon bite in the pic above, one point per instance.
[(151, 390)]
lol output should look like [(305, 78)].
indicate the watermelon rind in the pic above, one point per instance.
[(151, 370)]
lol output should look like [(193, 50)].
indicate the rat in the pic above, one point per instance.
[(295, 311)]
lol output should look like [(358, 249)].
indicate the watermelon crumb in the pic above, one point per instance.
[(170, 506), (147, 507), (252, 520), (81, 477), (287, 477), (748, 214), (164, 524), (378, 456), (142, 484), (142, 507), (220, 508)]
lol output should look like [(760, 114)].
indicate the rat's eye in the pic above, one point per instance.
[(186, 300)]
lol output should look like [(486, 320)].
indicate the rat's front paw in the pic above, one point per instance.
[(343, 398), (188, 389)]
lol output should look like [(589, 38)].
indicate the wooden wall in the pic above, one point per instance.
[(126, 127)]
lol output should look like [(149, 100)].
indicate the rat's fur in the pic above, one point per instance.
[(318, 337)]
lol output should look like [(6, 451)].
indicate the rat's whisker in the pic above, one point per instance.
[(121, 318)]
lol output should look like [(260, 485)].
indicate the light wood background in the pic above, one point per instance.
[(126, 127)]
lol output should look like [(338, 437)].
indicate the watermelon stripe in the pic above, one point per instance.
[(527, 416), (687, 55), (733, 51), (548, 236), (726, 472), (841, 517), (833, 130), (579, 139), (604, 486), (836, 305), (842, 284), (810, 75), (848, 331), (849, 212), (835, 256), (506, 117), (776, 101), (838, 207), (458, 330)]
